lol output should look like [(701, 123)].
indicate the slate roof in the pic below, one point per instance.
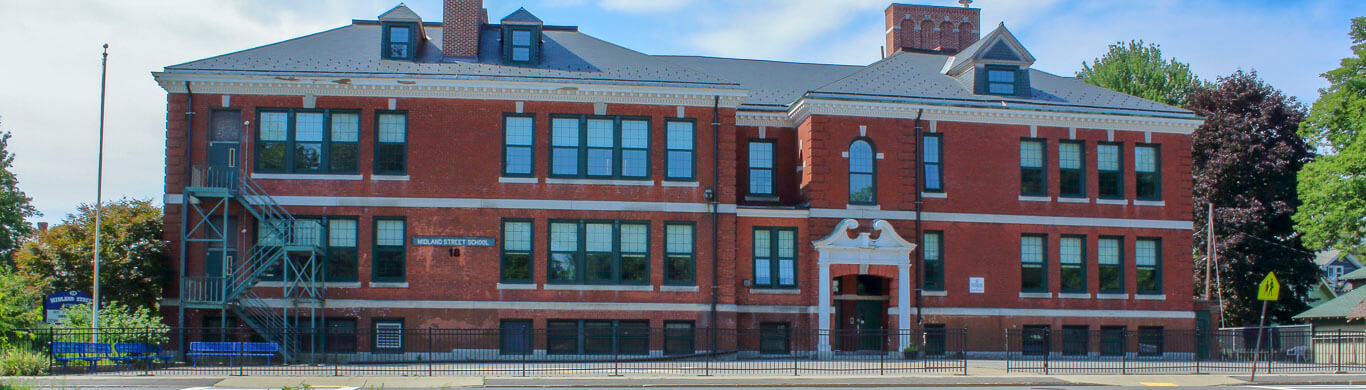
[(771, 83), (1327, 257), (1341, 307), (521, 15)]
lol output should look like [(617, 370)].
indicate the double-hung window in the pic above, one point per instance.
[(1110, 171), (391, 143), (600, 147), (518, 145), (398, 41), (933, 162), (934, 261), (775, 257), (1071, 169), (1147, 172), (1072, 263), (341, 249), (680, 264), (1148, 265), (308, 141), (1033, 182), (1110, 260), (390, 250), (602, 143), (635, 148), (1033, 263), (521, 45), (516, 261), (761, 156), (565, 144), (862, 173), (599, 252), (681, 146), (1001, 80)]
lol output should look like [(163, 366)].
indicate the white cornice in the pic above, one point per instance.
[(762, 118), (448, 88), (806, 107)]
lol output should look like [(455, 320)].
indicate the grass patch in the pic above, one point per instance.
[(22, 363)]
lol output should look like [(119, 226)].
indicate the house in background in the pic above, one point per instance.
[(1334, 265)]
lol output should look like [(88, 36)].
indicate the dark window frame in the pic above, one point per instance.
[(1150, 337), (930, 284), (407, 137), (532, 148), (1014, 83), (581, 252), (413, 32), (673, 335), (1118, 268), (503, 251), (775, 270), (376, 250), (1080, 265), (338, 340), (1080, 170), (533, 45), (692, 151), (772, 169), (1043, 264), (765, 336), (290, 143), (938, 165), (1042, 169), (872, 174), (1118, 173), (1076, 340), (617, 149), (692, 254), (330, 248), (1156, 173), (584, 338), (1156, 268)]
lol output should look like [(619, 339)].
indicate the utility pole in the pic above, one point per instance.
[(1209, 243), (99, 186)]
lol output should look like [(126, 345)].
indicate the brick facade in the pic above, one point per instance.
[(924, 27), (460, 28)]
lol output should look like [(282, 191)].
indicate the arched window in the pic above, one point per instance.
[(862, 173)]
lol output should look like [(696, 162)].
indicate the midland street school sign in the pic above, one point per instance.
[(452, 241)]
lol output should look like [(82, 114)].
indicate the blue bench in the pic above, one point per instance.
[(132, 352), (64, 352), (232, 350)]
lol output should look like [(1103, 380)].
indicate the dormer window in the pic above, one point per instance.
[(401, 34), (521, 45), (398, 42), (521, 38), (1001, 79)]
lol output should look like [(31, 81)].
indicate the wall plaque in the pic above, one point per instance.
[(452, 241)]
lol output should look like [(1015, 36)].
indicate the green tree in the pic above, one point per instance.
[(1244, 159), (15, 206), (1139, 70), (133, 257), (1333, 187), (120, 323), (20, 306)]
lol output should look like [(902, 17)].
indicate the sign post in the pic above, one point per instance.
[(1269, 290)]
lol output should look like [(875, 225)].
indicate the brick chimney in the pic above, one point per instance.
[(460, 24), (932, 28)]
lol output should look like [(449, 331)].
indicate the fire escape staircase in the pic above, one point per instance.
[(286, 247)]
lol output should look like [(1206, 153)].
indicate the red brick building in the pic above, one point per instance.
[(472, 173)]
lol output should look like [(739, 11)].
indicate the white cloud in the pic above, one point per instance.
[(643, 6), (774, 29)]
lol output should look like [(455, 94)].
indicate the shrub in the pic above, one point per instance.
[(118, 323), (22, 363)]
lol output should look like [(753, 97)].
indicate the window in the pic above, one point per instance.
[(521, 45), (391, 146), (597, 337), (775, 257), (1075, 339), (341, 250), (388, 336), (389, 252), (1110, 252), (934, 261), (1111, 175), (1112, 341), (633, 337), (341, 335), (761, 156), (936, 339), (1071, 169), (680, 265), (1033, 263), (1001, 80), (516, 264), (398, 41), (934, 165), (775, 338), (308, 141), (681, 144), (518, 146), (599, 252), (1035, 340), (862, 173), (514, 337), (562, 337), (1032, 178), (305, 231), (1148, 172), (1150, 341), (1148, 262), (1071, 255), (679, 337), (600, 147)]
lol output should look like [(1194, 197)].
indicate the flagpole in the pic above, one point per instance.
[(99, 205)]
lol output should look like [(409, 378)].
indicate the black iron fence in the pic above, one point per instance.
[(1159, 351), (585, 347)]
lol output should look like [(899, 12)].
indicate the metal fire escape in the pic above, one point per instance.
[(285, 247)]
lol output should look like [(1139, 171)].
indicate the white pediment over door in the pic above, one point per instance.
[(889, 248)]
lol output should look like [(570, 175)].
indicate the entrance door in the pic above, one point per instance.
[(1202, 334), (870, 325), (225, 136)]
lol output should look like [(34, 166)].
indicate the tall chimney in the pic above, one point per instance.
[(932, 28), (460, 24)]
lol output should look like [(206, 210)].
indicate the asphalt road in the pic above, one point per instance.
[(208, 384)]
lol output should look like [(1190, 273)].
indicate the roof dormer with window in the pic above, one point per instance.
[(401, 34), (997, 65), (521, 38)]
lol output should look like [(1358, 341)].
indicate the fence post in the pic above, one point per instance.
[(1047, 347), (963, 349), (429, 351), (711, 354), (1124, 351), (881, 357), (1339, 358), (1197, 350), (616, 352), (791, 352), (530, 348)]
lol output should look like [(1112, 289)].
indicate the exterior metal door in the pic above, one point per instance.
[(1202, 334), (225, 137), (870, 325)]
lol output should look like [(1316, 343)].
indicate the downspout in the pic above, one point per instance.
[(919, 233), (184, 213), (715, 204)]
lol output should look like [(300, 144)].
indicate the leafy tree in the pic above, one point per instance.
[(20, 306), (15, 206), (132, 253), (119, 323), (1333, 187), (1138, 69), (1244, 160)]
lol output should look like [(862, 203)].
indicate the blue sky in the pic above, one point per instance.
[(49, 96)]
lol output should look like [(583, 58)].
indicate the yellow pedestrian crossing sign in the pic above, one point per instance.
[(1270, 289)]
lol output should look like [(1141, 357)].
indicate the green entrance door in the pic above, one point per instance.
[(870, 325)]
